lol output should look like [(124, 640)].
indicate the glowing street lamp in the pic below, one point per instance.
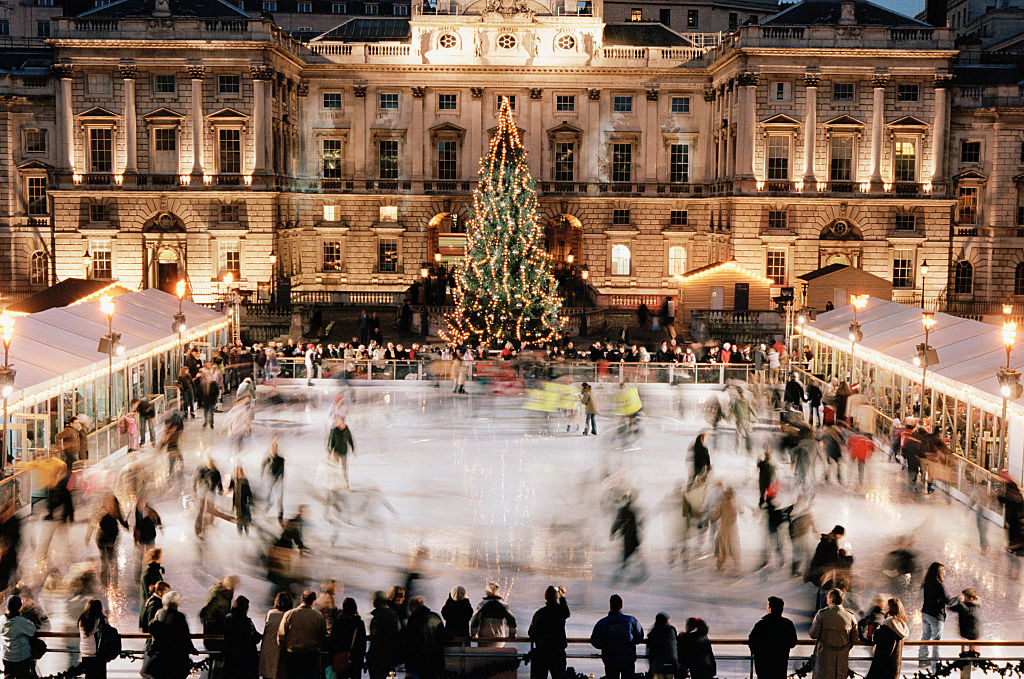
[(925, 355), (7, 374), (110, 344), (924, 272), (1009, 381)]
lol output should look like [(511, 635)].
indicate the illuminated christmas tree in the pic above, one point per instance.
[(504, 288)]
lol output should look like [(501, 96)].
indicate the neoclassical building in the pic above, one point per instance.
[(168, 139)]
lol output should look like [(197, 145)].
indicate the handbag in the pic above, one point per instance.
[(343, 659), (37, 647)]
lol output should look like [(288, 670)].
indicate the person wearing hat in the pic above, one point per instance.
[(547, 634), (15, 632), (492, 618), (457, 612)]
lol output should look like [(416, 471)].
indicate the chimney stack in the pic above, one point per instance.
[(847, 16)]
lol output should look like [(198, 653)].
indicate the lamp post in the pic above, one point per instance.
[(232, 299), (273, 278), (857, 302), (6, 383), (108, 343), (925, 354), (924, 272), (179, 320), (1009, 382)]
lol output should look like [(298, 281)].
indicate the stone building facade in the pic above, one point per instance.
[(344, 164)]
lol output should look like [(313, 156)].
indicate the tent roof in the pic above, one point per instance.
[(970, 352), (67, 292), (60, 344)]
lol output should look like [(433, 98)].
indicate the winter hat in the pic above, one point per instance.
[(13, 603), (491, 589), (661, 618), (458, 593)]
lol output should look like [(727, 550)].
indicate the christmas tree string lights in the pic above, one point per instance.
[(504, 289)]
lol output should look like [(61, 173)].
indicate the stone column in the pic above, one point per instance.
[(878, 81), (747, 103), (652, 137), (534, 156), (705, 143), (593, 142), (471, 163), (360, 132), (811, 81), (196, 74), (260, 75), (307, 151), (130, 122), (939, 125), (66, 147), (420, 143)]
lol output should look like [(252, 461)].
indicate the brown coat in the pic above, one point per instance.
[(270, 653), (835, 630), (589, 402)]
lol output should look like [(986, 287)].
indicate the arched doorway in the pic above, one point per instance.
[(167, 270), (837, 259), (446, 238), (564, 240), (165, 249)]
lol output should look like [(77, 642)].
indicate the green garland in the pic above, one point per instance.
[(78, 670)]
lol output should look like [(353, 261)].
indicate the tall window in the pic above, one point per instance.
[(778, 157), (229, 151), (37, 268), (387, 255), (565, 161), (967, 205), (620, 260), (622, 162), (165, 139), (679, 163), (331, 256), (963, 278), (1018, 279), (775, 266), (903, 269), (102, 263), (970, 152), (447, 159), (387, 158), (36, 190), (692, 18), (101, 149), (230, 259), (905, 160), (332, 158), (841, 166), (676, 260)]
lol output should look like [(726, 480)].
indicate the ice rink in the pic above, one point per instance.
[(494, 492)]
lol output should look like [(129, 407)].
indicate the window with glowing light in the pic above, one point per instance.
[(230, 259), (620, 260), (102, 266), (331, 256), (37, 268), (904, 164), (903, 269), (676, 260), (775, 266), (387, 255)]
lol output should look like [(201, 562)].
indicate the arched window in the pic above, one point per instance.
[(676, 260), (620, 260), (963, 278), (1018, 279), (37, 268)]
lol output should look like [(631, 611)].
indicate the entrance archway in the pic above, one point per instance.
[(167, 270), (164, 239), (564, 240), (837, 259), (446, 239)]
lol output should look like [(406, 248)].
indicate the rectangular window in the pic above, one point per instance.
[(372, 8), (905, 160), (447, 102), (565, 102), (841, 163), (229, 148), (1020, 215), (511, 101), (970, 152), (37, 196), (97, 212), (229, 213), (691, 18), (565, 161), (676, 260), (229, 84), (35, 141), (303, 7), (622, 103), (779, 92), (165, 139), (967, 205), (903, 269), (230, 259), (388, 214), (906, 222), (778, 157), (389, 101), (907, 92), (665, 16), (332, 158), (331, 213), (332, 100), (777, 220), (842, 92), (339, 8), (447, 159), (679, 163), (680, 105), (331, 256), (636, 14), (101, 150), (734, 21), (42, 29), (620, 217), (102, 263), (5, 26), (269, 5), (387, 255), (163, 84), (677, 218), (775, 266), (622, 162), (388, 158), (400, 10)]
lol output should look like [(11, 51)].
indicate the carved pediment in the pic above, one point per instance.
[(163, 113), (908, 122), (447, 127), (34, 165), (565, 128), (843, 121), (780, 120), (98, 112), (227, 113), (971, 175)]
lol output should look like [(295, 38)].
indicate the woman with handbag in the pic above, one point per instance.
[(88, 624), (347, 643), (271, 666)]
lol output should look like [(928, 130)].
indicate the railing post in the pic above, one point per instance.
[(965, 669), (721, 373)]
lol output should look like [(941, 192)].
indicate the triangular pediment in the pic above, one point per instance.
[(780, 119), (970, 174), (98, 112), (227, 113), (163, 113), (843, 121), (908, 121), (565, 128), (447, 127), (34, 165)]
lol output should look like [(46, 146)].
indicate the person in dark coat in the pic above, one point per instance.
[(826, 556), (385, 652), (933, 609), (152, 605), (770, 642), (968, 618), (242, 499), (215, 610), (874, 618), (888, 643), (765, 473), (701, 457), (616, 635), (457, 612), (348, 635), (424, 642), (627, 525), (153, 574), (813, 399), (794, 394), (241, 657), (696, 657), (662, 653), (172, 641), (547, 634)]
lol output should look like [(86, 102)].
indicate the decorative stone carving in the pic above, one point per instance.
[(302, 89), (128, 71), (536, 93), (879, 79), (261, 72), (709, 94), (476, 92), (747, 79), (942, 80), (812, 79), (594, 95), (418, 92), (196, 71), (62, 70), (359, 91), (652, 94)]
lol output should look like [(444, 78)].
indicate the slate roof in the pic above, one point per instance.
[(203, 9), (987, 75), (643, 34), (65, 293), (823, 271), (363, 29), (826, 12)]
